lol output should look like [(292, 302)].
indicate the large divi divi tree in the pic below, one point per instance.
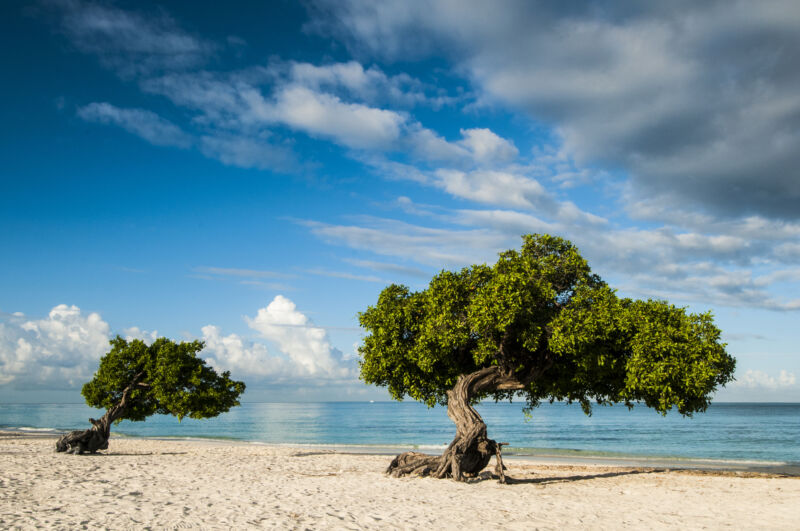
[(540, 325), (136, 380)]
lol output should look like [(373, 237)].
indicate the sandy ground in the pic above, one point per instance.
[(153, 484)]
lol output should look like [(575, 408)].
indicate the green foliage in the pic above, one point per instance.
[(167, 378), (544, 318)]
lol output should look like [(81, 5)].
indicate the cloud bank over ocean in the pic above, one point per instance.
[(62, 350)]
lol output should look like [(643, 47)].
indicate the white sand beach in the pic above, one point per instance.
[(157, 484)]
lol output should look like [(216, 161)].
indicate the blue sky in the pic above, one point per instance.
[(253, 177)]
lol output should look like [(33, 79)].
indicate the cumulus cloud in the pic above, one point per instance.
[(62, 351), (145, 124), (754, 379), (134, 332), (241, 357), (698, 101), (304, 352), (307, 346), (59, 351)]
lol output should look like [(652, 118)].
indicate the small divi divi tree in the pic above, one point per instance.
[(136, 380), (540, 325)]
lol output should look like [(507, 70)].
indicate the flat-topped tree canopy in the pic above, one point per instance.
[(136, 380), (169, 379), (539, 324)]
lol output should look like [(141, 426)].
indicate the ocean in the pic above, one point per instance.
[(728, 435)]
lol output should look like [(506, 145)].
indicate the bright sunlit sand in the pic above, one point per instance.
[(159, 484)]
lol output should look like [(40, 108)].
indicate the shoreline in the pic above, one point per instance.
[(711, 466), (208, 484)]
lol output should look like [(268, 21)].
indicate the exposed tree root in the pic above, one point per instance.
[(80, 441), (471, 449), (96, 438)]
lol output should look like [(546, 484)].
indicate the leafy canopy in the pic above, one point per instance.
[(167, 378), (541, 316)]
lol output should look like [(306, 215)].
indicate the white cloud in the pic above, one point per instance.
[(236, 104), (307, 346), (755, 379), (351, 75), (304, 351), (60, 351), (63, 350), (492, 187), (428, 146), (134, 332), (478, 148), (350, 124), (243, 358), (140, 122), (367, 84), (487, 147)]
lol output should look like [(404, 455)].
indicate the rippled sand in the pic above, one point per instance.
[(141, 483)]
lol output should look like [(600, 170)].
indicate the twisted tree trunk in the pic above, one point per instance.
[(96, 438), (91, 440), (471, 449)]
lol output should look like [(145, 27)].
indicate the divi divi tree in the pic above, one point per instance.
[(537, 324), (136, 380)]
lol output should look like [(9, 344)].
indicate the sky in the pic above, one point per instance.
[(253, 175)]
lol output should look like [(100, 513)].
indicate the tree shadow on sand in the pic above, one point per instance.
[(313, 453), (128, 454), (545, 480)]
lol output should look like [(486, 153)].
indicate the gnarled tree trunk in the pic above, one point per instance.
[(91, 440), (96, 437), (471, 449)]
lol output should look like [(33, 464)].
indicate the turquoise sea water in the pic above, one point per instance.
[(756, 434)]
